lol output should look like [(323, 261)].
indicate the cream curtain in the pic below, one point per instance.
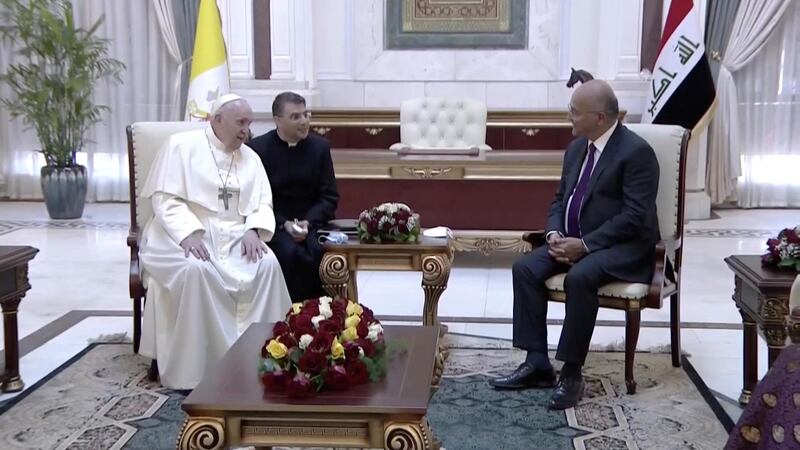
[(145, 94), (756, 21), (769, 120)]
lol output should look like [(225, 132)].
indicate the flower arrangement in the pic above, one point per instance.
[(784, 251), (388, 222), (323, 344)]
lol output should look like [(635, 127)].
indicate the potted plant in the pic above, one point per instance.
[(51, 90)]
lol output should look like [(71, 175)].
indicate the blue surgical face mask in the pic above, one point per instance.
[(337, 237)]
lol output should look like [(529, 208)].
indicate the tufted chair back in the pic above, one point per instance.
[(145, 139), (442, 122), (667, 141)]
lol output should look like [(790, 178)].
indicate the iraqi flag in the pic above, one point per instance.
[(682, 90)]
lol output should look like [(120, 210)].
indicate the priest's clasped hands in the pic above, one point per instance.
[(252, 246), (566, 250)]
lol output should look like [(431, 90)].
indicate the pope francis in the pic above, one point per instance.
[(206, 268)]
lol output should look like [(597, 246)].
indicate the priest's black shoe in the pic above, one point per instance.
[(568, 392), (526, 376)]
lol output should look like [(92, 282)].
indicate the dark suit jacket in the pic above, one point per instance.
[(618, 216)]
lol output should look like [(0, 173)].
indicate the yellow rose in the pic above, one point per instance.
[(296, 307), (276, 349), (354, 308), (352, 321), (337, 349), (350, 334)]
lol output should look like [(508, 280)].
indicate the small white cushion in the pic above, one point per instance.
[(618, 289)]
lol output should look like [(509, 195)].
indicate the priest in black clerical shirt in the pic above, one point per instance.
[(300, 171)]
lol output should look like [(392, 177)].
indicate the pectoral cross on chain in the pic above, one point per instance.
[(224, 196)]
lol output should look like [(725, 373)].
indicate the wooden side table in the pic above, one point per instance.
[(762, 296), (431, 256), (13, 285)]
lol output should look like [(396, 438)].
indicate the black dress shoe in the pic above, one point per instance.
[(568, 393), (526, 376)]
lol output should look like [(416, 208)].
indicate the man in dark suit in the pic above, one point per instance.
[(300, 172), (602, 226)]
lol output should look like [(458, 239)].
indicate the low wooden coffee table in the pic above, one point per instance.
[(230, 408)]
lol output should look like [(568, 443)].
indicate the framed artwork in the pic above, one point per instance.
[(463, 24)]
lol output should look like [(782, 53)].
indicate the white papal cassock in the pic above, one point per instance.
[(196, 309)]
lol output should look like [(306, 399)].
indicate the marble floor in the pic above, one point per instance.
[(83, 266)]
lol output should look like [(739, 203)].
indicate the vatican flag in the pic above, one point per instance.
[(209, 79)]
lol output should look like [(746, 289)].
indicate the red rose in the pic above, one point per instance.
[(791, 236), (311, 308), (288, 340), (312, 362), (274, 381), (336, 378), (280, 328), (321, 343), (356, 371), (372, 227), (302, 324), (387, 226), (367, 315), (362, 328), (330, 326), (339, 305), (300, 387), (368, 346), (351, 351), (293, 320), (264, 352), (402, 214)]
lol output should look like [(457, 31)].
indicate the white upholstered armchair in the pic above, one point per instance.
[(670, 143), (442, 123), (144, 141)]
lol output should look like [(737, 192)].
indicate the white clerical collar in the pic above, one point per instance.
[(600, 143), (290, 144)]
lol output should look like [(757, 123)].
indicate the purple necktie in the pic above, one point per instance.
[(573, 215)]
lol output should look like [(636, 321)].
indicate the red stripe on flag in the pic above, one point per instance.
[(678, 9)]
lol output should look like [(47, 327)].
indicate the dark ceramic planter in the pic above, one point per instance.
[(64, 190)]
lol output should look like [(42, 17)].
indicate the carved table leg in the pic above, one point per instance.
[(409, 436), (750, 358), (11, 379), (335, 274), (435, 274), (202, 433), (775, 334)]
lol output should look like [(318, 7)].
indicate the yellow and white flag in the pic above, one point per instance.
[(209, 79)]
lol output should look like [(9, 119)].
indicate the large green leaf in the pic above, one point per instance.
[(51, 88)]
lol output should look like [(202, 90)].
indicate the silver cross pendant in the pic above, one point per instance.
[(224, 196)]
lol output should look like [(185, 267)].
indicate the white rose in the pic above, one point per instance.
[(305, 340), (325, 310), (374, 330), (325, 299), (317, 319)]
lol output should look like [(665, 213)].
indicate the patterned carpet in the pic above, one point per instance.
[(102, 400)]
